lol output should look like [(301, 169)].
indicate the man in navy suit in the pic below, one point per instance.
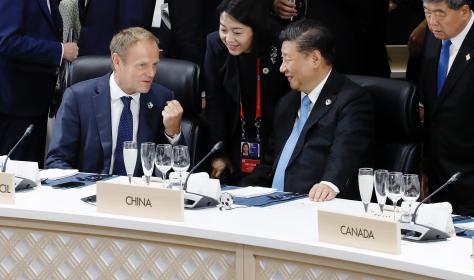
[(447, 87), (30, 54), (101, 19), (97, 115)]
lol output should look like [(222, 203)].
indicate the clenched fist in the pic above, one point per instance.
[(172, 114)]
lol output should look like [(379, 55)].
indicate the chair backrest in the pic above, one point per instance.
[(397, 123), (180, 76)]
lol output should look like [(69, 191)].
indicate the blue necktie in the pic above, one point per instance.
[(279, 178), (443, 64), (125, 133)]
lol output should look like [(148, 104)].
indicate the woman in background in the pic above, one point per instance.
[(243, 85)]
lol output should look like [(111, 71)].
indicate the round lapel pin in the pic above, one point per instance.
[(328, 102), (265, 70)]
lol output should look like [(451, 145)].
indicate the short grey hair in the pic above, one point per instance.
[(452, 4), (126, 38)]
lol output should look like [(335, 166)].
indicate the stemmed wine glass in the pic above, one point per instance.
[(130, 158), (147, 153), (410, 190), (366, 185), (180, 161), (163, 159), (394, 189), (380, 183)]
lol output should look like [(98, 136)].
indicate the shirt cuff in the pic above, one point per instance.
[(331, 185), (62, 54), (173, 140)]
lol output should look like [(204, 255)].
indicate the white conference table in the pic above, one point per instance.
[(51, 234)]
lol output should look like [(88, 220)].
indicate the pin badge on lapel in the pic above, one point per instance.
[(149, 105), (265, 70), (468, 57), (328, 102)]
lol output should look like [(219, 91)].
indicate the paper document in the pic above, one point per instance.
[(251, 191), (54, 173)]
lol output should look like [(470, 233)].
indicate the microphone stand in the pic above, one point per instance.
[(194, 200), (27, 132), (20, 183), (421, 233)]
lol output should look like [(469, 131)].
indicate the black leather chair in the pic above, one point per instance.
[(180, 76), (397, 123)]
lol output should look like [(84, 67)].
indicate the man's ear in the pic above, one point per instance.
[(465, 11), (316, 58), (116, 61)]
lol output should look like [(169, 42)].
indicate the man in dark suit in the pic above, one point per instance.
[(324, 127), (30, 54), (101, 19), (98, 115), (191, 21), (359, 27), (447, 86)]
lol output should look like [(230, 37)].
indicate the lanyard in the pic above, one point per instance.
[(258, 110)]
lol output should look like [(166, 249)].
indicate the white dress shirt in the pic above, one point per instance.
[(457, 40), (313, 96), (116, 107)]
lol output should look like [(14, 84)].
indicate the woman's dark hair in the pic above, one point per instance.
[(254, 13)]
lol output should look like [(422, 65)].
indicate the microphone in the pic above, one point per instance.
[(28, 131), (214, 149), (194, 200), (421, 233), (20, 183)]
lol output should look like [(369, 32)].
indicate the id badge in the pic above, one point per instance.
[(249, 156)]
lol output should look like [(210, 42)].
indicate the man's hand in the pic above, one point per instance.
[(219, 164), (285, 9), (321, 192), (172, 114), (71, 51)]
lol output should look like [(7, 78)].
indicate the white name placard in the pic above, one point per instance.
[(371, 233), (146, 201), (7, 188)]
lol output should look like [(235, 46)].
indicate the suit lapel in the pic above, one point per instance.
[(101, 104), (148, 123), (290, 114), (432, 90), (462, 60), (328, 92), (148, 119), (44, 8)]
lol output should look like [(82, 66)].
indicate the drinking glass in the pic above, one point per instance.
[(147, 153), (380, 183), (164, 153), (366, 186), (394, 189), (130, 158), (410, 190), (180, 161)]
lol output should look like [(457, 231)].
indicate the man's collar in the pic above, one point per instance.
[(116, 92), (458, 39), (314, 94)]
